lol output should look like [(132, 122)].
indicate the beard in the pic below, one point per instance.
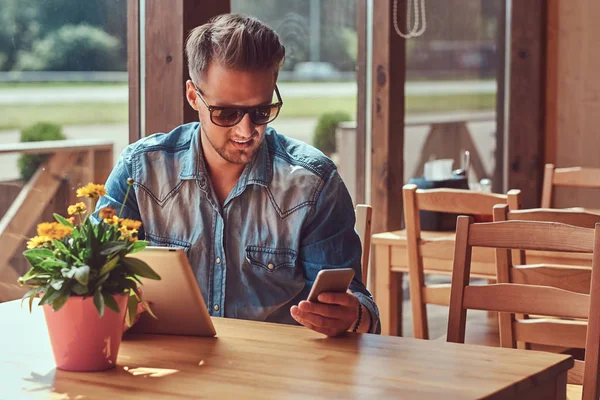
[(235, 155)]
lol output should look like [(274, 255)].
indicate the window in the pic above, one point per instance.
[(63, 74)]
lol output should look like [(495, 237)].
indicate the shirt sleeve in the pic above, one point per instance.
[(116, 189), (329, 240)]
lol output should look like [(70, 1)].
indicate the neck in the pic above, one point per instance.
[(219, 169)]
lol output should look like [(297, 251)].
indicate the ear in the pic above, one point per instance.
[(191, 95)]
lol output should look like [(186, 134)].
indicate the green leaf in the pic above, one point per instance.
[(140, 268), (40, 253), (62, 220), (36, 256), (53, 262), (132, 304), (99, 302), (60, 246), (139, 246), (82, 274), (32, 273), (31, 295), (50, 295), (111, 247), (110, 302), (80, 289), (69, 273), (146, 305), (59, 302), (110, 265), (57, 284)]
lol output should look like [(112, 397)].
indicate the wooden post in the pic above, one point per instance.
[(361, 102), (133, 67), (167, 25), (387, 162), (527, 100)]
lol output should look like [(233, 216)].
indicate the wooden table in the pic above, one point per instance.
[(260, 360), (437, 249)]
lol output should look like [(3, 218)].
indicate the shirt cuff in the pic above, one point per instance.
[(372, 309)]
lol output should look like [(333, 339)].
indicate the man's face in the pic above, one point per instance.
[(223, 87)]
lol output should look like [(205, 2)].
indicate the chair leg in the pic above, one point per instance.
[(386, 291)]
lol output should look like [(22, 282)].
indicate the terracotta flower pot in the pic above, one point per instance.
[(81, 340)]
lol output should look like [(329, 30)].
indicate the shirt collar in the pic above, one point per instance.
[(259, 171)]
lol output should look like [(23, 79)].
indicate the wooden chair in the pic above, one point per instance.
[(513, 298), (363, 214), (568, 277), (567, 177), (456, 201)]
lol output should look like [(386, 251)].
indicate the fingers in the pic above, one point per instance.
[(341, 299), (317, 320), (325, 310), (308, 320)]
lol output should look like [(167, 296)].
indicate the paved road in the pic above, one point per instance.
[(119, 93)]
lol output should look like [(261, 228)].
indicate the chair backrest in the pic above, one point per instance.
[(363, 227), (570, 177), (517, 298), (455, 201)]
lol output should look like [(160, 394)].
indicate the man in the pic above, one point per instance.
[(259, 214)]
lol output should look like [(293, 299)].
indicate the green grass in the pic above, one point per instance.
[(19, 116)]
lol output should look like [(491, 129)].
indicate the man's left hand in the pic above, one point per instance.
[(333, 315)]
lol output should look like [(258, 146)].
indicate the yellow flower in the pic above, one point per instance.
[(114, 220), (38, 241), (91, 190), (128, 234), (53, 230), (131, 224), (78, 208), (107, 212)]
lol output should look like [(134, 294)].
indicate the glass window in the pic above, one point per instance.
[(452, 88), (63, 75)]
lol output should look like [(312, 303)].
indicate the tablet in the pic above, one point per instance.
[(176, 298)]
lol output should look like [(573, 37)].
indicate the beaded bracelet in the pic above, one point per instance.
[(359, 318)]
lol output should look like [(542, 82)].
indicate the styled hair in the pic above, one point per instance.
[(234, 41)]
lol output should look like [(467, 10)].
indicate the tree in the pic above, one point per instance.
[(18, 29), (73, 48)]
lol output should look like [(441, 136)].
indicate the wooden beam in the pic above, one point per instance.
[(551, 82), (361, 101), (387, 164), (167, 25), (527, 100), (196, 13), (133, 68), (498, 174)]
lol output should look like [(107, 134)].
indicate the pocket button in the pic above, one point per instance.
[(270, 266)]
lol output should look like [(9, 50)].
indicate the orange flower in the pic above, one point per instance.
[(114, 220), (128, 234), (78, 208), (131, 224), (38, 241), (107, 212)]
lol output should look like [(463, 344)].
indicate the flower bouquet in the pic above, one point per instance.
[(88, 284)]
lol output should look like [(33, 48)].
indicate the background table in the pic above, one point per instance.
[(260, 360)]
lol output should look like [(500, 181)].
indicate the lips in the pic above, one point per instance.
[(240, 144)]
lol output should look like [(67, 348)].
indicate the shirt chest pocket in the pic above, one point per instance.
[(271, 259)]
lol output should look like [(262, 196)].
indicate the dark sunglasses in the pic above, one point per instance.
[(230, 116)]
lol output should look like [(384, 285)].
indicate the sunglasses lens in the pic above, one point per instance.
[(264, 115), (227, 117)]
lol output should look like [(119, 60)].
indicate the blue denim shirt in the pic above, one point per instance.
[(289, 216)]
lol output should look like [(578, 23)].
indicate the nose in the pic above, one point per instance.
[(245, 129)]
